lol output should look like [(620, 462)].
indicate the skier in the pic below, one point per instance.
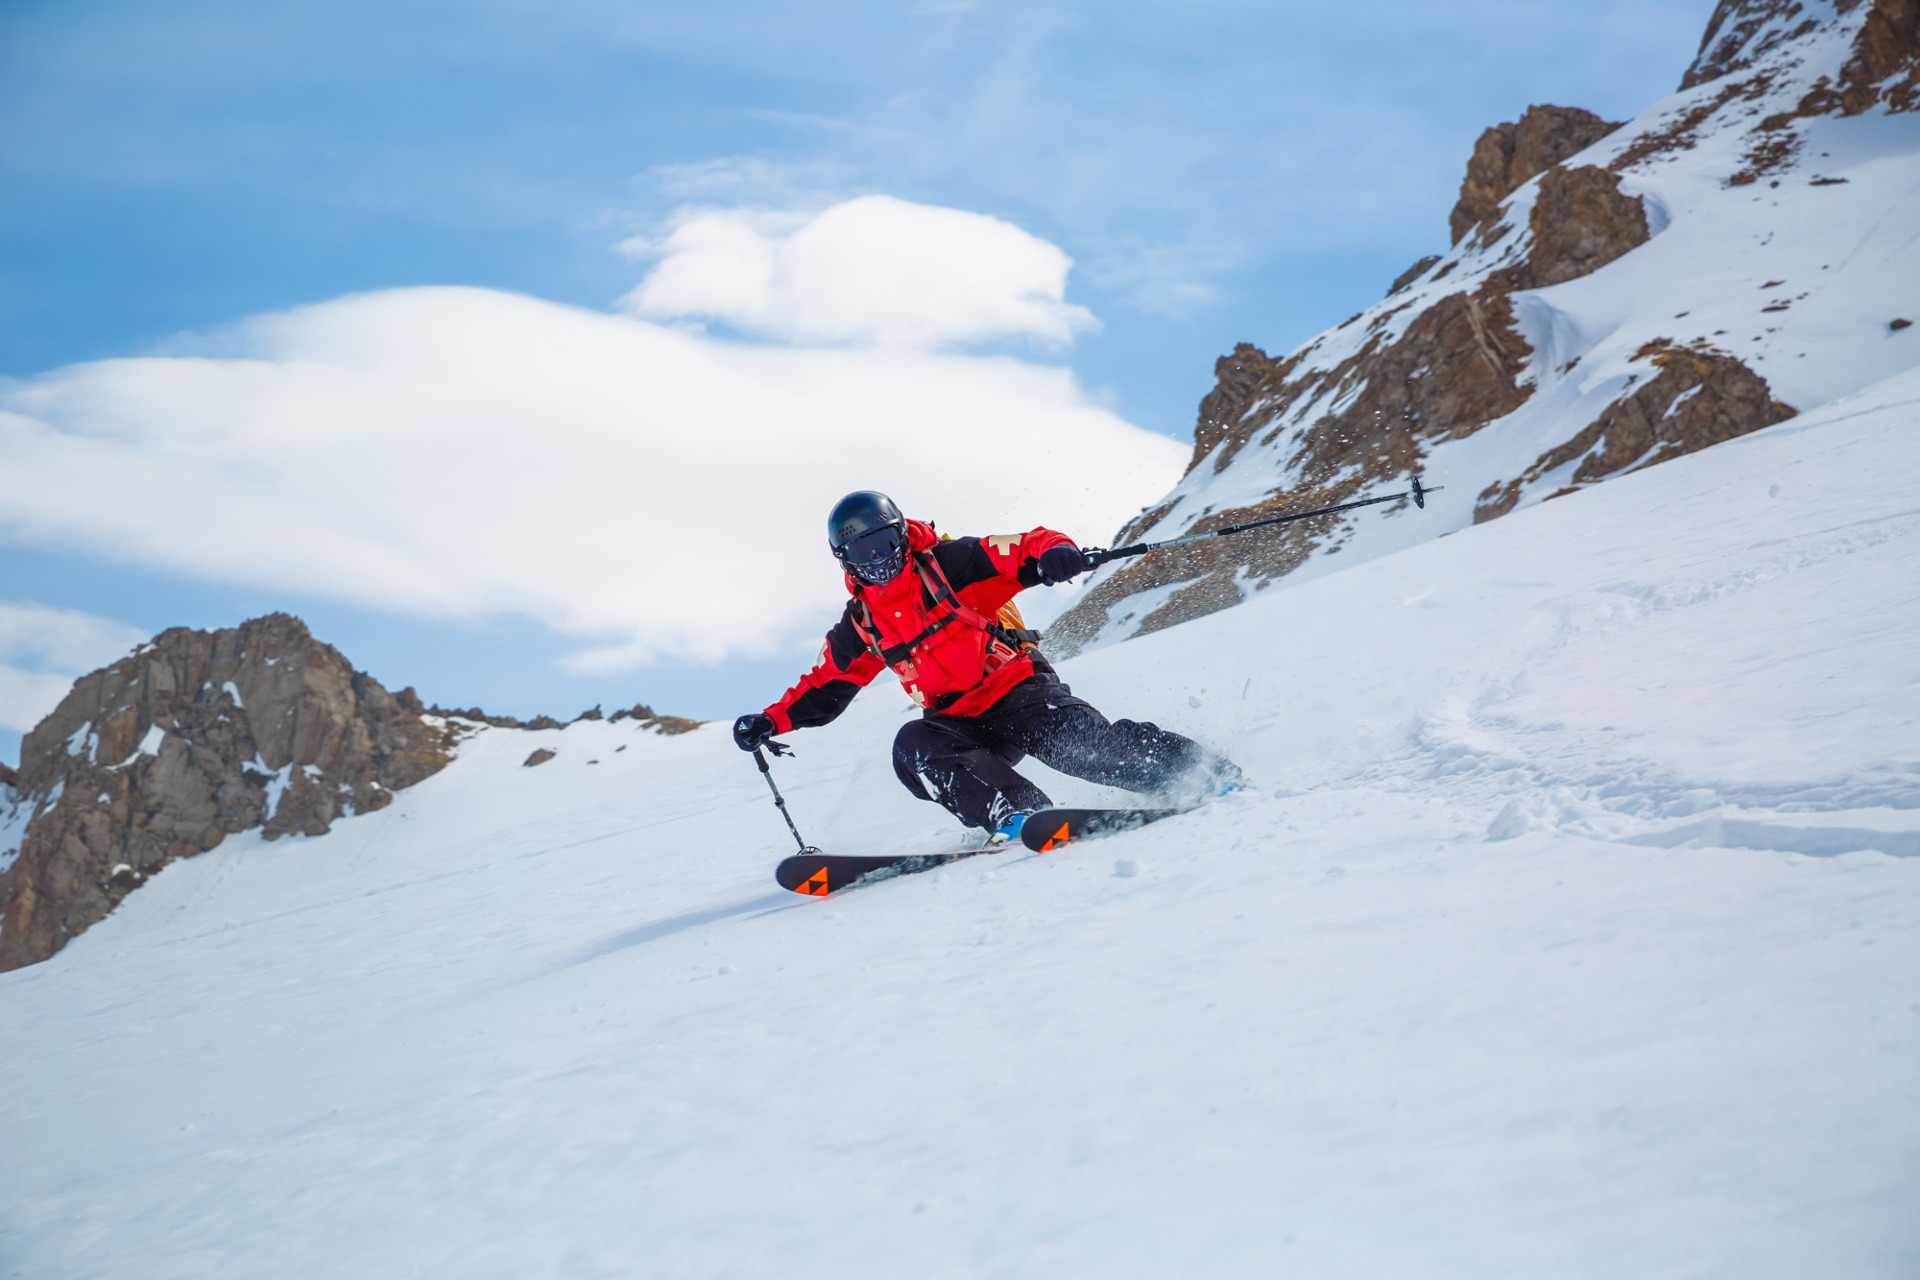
[(929, 608)]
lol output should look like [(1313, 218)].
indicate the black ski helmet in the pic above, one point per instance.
[(869, 536)]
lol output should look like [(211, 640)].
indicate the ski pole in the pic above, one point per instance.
[(780, 749), (1097, 556)]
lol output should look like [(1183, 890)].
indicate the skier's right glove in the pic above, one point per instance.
[(1061, 564), (752, 732)]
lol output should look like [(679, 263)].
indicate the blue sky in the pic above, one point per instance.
[(1217, 172)]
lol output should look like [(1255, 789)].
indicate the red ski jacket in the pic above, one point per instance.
[(934, 625)]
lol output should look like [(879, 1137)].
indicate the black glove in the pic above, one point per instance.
[(1060, 564), (752, 731)]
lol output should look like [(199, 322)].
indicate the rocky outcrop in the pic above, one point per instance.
[(1580, 221), (1884, 66), (647, 718), (644, 715), (195, 736), (1741, 32), (1507, 155), (1455, 366), (1450, 351), (1443, 356), (1694, 398), (1882, 70), (1412, 273)]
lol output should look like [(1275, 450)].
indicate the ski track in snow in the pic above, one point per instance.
[(1573, 930)]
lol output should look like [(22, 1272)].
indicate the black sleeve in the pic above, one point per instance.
[(966, 562), (843, 642), (823, 703)]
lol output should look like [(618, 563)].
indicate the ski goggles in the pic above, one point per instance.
[(877, 556)]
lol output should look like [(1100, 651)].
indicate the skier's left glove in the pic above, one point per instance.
[(1060, 564), (751, 732)]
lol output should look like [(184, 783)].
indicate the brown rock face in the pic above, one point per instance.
[(1580, 222), (1885, 66), (646, 716), (1455, 369), (1412, 273), (1740, 32), (1886, 59), (1365, 402), (1695, 398), (1509, 154), (194, 736)]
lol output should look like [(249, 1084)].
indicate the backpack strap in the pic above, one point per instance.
[(953, 610), (1015, 638), (895, 654)]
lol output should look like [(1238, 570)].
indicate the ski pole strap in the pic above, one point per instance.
[(1097, 556)]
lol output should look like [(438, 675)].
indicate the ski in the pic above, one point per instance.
[(1048, 829), (819, 874)]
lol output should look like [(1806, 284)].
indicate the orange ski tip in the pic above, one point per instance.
[(1058, 838), (815, 885)]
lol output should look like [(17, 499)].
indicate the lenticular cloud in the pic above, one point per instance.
[(464, 452), (875, 271)]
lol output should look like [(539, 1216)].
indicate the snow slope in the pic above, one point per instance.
[(1574, 931)]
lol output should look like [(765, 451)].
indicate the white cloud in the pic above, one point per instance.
[(874, 271), (26, 697), (42, 650), (462, 452)]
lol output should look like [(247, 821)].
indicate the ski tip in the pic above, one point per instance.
[(1052, 829), (808, 876), (1047, 830)]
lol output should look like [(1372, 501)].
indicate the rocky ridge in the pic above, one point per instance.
[(1508, 154), (1506, 369), (195, 736)]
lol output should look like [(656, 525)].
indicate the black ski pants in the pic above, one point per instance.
[(965, 763)]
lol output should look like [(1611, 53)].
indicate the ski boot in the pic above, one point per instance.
[(1008, 832)]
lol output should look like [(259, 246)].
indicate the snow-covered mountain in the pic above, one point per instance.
[(197, 735), (1615, 297)]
